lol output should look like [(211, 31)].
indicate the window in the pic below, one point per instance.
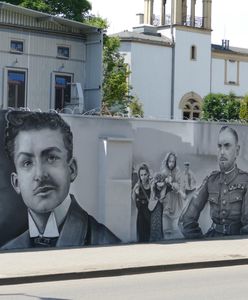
[(231, 72), (62, 91), (63, 52), (193, 53), (191, 110), (16, 88), (16, 46)]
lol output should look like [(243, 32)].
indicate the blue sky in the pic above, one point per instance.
[(229, 18)]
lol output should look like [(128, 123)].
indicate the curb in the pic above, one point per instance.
[(122, 271)]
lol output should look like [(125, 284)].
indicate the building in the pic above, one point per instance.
[(48, 62), (174, 65)]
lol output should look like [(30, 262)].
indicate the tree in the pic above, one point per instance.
[(221, 107), (243, 113), (117, 97), (74, 10)]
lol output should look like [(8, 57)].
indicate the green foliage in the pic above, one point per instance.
[(136, 108), (70, 9), (96, 21), (221, 107), (243, 113), (116, 90)]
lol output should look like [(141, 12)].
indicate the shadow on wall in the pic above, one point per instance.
[(13, 213)]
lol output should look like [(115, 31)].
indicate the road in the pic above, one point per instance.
[(227, 283)]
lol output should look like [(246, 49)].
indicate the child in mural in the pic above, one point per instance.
[(159, 189), (173, 203), (141, 195)]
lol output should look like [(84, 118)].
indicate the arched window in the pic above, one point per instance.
[(193, 53), (191, 109)]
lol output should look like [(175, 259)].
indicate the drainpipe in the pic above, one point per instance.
[(172, 72)]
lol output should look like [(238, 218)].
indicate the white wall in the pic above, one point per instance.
[(150, 77), (218, 78), (191, 75), (40, 61)]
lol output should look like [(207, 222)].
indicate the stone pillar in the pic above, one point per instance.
[(176, 9), (207, 13), (163, 3), (184, 11), (192, 13), (148, 13)]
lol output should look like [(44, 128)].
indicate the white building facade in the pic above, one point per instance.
[(48, 62), (174, 65)]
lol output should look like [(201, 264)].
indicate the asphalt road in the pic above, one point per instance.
[(226, 283)]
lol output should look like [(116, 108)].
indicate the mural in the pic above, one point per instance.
[(40, 145), (172, 201), (66, 180)]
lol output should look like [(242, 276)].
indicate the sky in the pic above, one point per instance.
[(229, 17)]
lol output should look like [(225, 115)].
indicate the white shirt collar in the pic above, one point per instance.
[(55, 219)]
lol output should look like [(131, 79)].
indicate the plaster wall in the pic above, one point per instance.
[(151, 76), (191, 75)]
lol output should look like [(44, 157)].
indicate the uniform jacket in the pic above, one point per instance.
[(78, 229), (228, 199)]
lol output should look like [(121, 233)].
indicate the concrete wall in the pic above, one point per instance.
[(109, 152)]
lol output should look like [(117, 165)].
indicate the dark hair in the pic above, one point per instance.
[(18, 121), (168, 157), (143, 167), (233, 132)]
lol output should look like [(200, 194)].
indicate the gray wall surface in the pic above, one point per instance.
[(109, 151)]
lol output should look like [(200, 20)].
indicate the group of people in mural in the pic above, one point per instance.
[(160, 198), (170, 200), (40, 145)]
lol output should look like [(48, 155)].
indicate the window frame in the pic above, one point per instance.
[(5, 89), (14, 50), (61, 56)]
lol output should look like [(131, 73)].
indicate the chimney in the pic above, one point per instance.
[(140, 18), (225, 44)]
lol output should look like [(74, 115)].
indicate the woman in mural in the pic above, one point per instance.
[(159, 189), (173, 203), (141, 195)]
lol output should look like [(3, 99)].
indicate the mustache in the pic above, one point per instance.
[(44, 186), (223, 158)]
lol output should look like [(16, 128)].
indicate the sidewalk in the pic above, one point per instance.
[(88, 262)]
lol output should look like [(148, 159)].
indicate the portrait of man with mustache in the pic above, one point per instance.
[(226, 191), (41, 147)]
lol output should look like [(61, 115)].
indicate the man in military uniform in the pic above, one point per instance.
[(225, 190)]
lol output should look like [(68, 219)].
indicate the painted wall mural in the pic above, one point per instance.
[(75, 180), (170, 200), (40, 146)]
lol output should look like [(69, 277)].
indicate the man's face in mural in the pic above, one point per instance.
[(228, 150), (171, 162), (43, 174), (144, 176)]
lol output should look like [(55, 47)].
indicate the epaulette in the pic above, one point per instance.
[(216, 172), (242, 172)]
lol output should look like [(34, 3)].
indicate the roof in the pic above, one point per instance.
[(40, 16), (138, 37), (231, 50)]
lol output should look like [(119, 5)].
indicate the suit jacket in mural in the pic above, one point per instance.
[(78, 229)]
